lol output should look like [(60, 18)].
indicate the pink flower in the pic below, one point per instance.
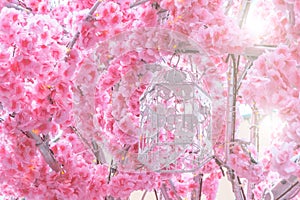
[(119, 105), (9, 19), (88, 36), (99, 183), (128, 137), (121, 186), (280, 3), (283, 155), (148, 16), (61, 116), (281, 159), (210, 186), (4, 56), (126, 123)]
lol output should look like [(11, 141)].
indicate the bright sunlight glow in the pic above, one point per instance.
[(255, 25), (268, 126)]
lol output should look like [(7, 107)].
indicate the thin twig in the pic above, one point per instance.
[(14, 51), (200, 189), (196, 194), (73, 41), (164, 192), (235, 67), (238, 61), (155, 192), (220, 164), (138, 3), (227, 58), (127, 147), (144, 195), (112, 171), (241, 188), (17, 7), (291, 14), (96, 150), (244, 73), (236, 185), (228, 6), (80, 136), (174, 190), (244, 12)]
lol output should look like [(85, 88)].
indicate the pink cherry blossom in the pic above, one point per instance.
[(51, 88)]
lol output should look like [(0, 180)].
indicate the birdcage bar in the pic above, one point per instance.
[(175, 118)]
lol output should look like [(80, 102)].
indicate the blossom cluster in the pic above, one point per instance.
[(60, 78)]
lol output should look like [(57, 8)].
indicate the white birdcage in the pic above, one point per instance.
[(175, 123)]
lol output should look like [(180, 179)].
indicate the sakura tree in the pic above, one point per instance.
[(73, 78)]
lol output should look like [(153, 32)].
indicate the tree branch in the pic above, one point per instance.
[(144, 195), (174, 190), (138, 3), (156, 196), (18, 7), (43, 145), (164, 192)]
